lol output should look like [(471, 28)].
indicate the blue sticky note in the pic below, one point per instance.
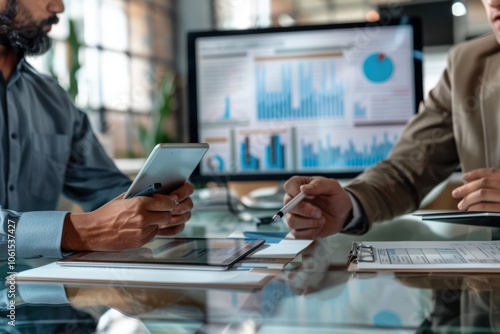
[(270, 237)]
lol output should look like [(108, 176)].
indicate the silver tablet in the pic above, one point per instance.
[(167, 168)]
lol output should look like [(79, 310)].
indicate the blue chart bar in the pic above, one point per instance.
[(330, 156), (359, 111), (275, 154), (248, 162), (227, 110), (325, 102)]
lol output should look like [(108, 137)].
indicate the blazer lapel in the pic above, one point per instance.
[(490, 110)]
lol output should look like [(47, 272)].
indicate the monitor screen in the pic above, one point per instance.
[(311, 100)]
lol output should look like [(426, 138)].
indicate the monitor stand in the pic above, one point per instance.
[(265, 198)]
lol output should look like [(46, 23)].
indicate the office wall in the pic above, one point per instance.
[(192, 15)]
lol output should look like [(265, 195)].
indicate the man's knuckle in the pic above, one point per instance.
[(189, 203), (140, 218), (485, 181)]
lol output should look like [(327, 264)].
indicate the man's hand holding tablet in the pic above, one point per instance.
[(131, 222)]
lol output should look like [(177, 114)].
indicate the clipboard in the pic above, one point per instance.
[(425, 256), (360, 252)]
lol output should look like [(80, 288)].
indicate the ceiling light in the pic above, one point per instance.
[(458, 9)]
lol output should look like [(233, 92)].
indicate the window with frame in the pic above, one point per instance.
[(111, 56), (244, 14)]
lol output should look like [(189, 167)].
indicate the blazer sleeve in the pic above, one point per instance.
[(424, 156)]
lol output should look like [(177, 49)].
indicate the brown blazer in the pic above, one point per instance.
[(458, 124)]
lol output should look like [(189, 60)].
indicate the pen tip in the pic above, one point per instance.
[(278, 216)]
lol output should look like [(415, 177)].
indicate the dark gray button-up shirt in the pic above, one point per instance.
[(47, 149)]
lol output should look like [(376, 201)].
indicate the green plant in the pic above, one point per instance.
[(73, 58), (74, 66), (155, 133)]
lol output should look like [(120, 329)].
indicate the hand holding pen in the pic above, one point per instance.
[(324, 212), (288, 206)]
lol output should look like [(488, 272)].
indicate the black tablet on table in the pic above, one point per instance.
[(171, 253), (477, 218)]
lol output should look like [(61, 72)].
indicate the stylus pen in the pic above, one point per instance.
[(288, 206), (150, 190)]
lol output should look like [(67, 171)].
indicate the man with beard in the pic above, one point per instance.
[(47, 149), (458, 124)]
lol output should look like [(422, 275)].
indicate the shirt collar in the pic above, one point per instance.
[(17, 72)]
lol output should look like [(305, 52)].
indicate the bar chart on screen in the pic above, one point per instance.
[(299, 87), (261, 149), (344, 149)]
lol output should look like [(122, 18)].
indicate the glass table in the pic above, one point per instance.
[(317, 296)]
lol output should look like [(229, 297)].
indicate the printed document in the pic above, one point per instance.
[(481, 256)]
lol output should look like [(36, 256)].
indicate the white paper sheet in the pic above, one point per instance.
[(285, 249), (233, 278)]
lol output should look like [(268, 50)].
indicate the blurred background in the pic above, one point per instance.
[(124, 61)]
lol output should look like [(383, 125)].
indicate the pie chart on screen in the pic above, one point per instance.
[(378, 67)]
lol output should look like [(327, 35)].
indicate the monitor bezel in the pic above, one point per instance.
[(192, 92)]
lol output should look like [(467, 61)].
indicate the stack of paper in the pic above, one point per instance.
[(224, 279)]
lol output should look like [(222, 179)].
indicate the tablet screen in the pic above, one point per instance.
[(177, 252)]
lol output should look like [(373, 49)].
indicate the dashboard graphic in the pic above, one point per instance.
[(302, 100)]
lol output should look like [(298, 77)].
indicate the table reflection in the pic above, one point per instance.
[(417, 303), (317, 296)]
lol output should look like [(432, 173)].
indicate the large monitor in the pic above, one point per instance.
[(311, 100)]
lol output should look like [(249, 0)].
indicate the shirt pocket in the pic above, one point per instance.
[(50, 154)]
